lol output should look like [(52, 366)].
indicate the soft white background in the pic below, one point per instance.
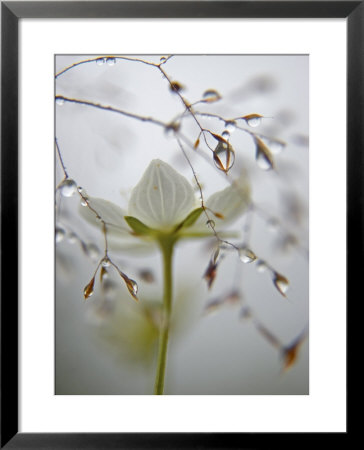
[(323, 410), (107, 155)]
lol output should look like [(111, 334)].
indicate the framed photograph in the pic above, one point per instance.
[(181, 191)]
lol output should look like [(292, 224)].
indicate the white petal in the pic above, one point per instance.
[(108, 211), (231, 203), (162, 198), (118, 232)]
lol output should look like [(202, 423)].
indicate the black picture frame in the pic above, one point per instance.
[(11, 12)]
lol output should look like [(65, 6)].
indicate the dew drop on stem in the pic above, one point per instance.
[(224, 156), (72, 237), (105, 262), (261, 266), (89, 289), (59, 234), (281, 283), (263, 162), (246, 255), (68, 187), (276, 146), (230, 126), (263, 156), (132, 286), (60, 101), (253, 120), (110, 61), (211, 95)]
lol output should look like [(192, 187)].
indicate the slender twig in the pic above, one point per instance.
[(60, 159), (86, 61), (112, 109)]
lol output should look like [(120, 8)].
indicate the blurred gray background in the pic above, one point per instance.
[(107, 345)]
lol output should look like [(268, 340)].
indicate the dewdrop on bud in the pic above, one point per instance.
[(224, 156), (89, 289), (281, 283), (132, 287), (253, 120)]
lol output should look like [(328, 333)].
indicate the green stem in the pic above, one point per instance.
[(166, 246)]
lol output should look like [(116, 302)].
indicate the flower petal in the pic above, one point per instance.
[(108, 211), (118, 233), (162, 198)]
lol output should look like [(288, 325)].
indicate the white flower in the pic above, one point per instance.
[(162, 200)]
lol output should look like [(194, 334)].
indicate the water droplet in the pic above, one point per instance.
[(230, 126), (281, 283), (60, 233), (92, 251), (273, 224), (100, 61), (84, 202), (68, 187), (253, 120), (111, 61), (89, 289), (211, 95), (132, 287), (72, 237), (225, 134), (263, 157), (105, 262), (261, 266), (224, 156), (263, 162), (163, 59), (246, 255), (82, 191), (210, 223), (59, 101), (276, 146)]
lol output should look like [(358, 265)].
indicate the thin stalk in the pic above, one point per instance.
[(167, 254)]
